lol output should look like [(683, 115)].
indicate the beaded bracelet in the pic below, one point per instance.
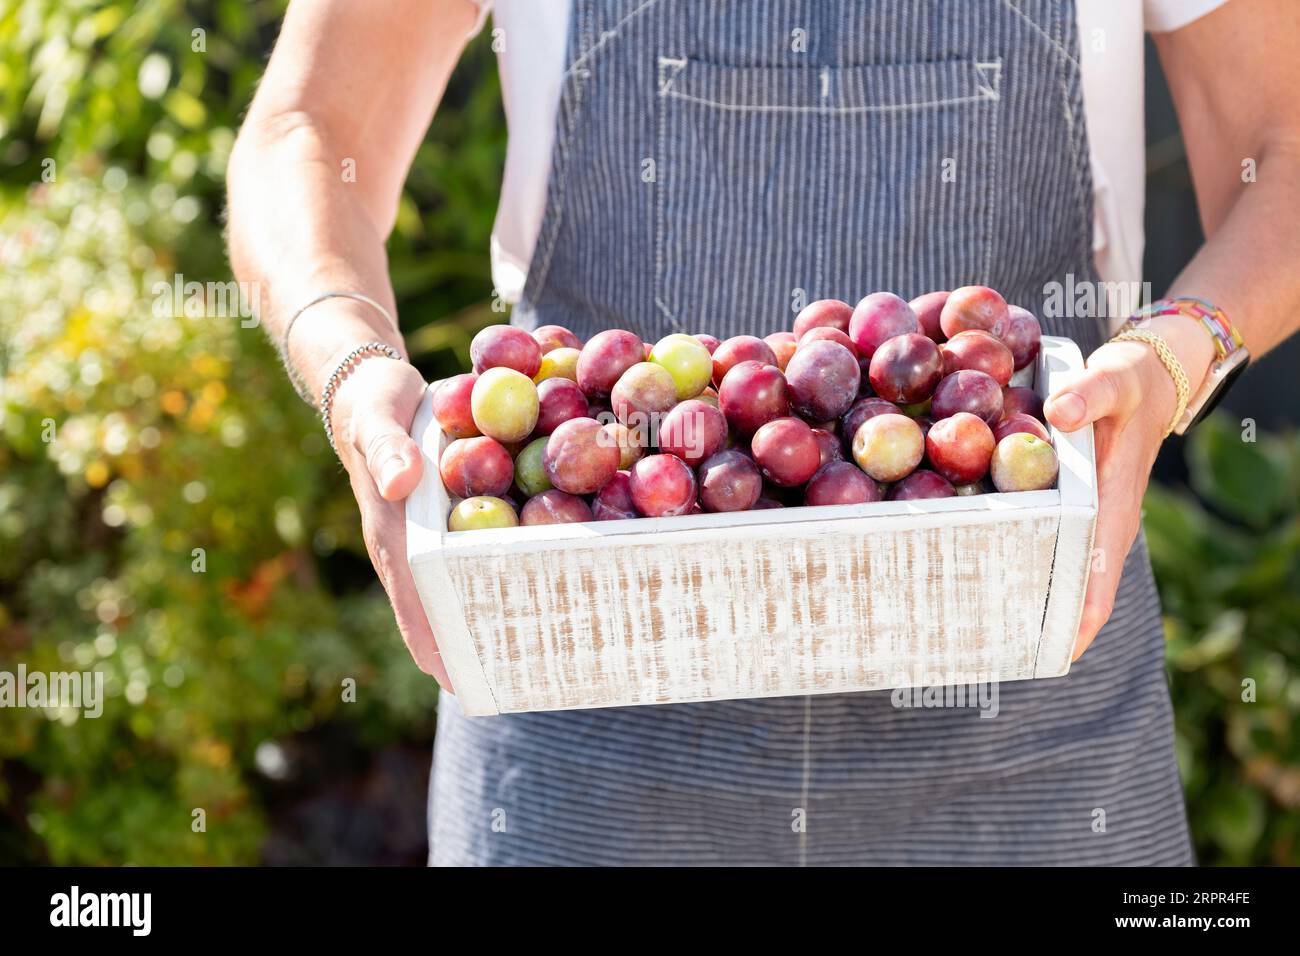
[(340, 372), (282, 345)]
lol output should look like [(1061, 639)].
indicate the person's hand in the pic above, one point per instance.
[(372, 415), (1130, 399)]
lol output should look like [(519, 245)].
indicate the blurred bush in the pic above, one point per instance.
[(1228, 567), (164, 503), (138, 445), (130, 438)]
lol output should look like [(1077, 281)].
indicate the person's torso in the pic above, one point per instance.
[(717, 166)]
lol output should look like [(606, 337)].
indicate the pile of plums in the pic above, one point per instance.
[(887, 399)]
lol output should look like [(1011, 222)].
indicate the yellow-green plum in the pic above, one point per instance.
[(888, 447), (558, 363), (504, 404), (1023, 462), (687, 360), (482, 511)]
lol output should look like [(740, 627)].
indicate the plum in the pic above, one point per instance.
[(605, 358), (783, 345), (504, 404), (967, 391), (825, 334), (1020, 422), (729, 481), (823, 380), (860, 411), (642, 393), (762, 504), (505, 346), (840, 483), (687, 361), (979, 351), (878, 318), (580, 456), (710, 342), (451, 406), (558, 363), (922, 483), (928, 308), (692, 431), (1023, 462), (959, 448), (1019, 399), (828, 446), (753, 394), (482, 511), (662, 485), (709, 396), (614, 500), (786, 451), (530, 469), (906, 368), (552, 337), (823, 314), (974, 307), (631, 442), (476, 466), (554, 507), (888, 447), (1023, 335), (558, 400), (737, 349)]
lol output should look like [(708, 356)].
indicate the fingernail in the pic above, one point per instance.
[(1068, 409), (391, 469)]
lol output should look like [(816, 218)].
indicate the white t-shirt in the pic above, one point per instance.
[(532, 42)]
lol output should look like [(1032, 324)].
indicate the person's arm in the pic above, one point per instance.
[(314, 182), (1235, 78)]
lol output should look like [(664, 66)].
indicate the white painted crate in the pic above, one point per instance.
[(760, 603)]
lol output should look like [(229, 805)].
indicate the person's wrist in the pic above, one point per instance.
[(1191, 345), (325, 333), (374, 380)]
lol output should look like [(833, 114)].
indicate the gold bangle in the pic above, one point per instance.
[(1169, 360)]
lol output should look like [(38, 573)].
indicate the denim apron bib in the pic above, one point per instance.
[(716, 165)]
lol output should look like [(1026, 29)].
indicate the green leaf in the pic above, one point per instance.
[(1246, 479)]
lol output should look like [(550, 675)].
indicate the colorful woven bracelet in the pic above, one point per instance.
[(1226, 338)]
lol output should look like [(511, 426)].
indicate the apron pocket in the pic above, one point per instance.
[(778, 185)]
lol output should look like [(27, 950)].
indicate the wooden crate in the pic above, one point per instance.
[(761, 603)]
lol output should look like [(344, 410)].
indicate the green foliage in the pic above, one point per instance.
[(1229, 576), (130, 438), (164, 502)]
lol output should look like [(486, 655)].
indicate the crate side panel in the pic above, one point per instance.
[(653, 621)]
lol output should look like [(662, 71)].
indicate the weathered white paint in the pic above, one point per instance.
[(805, 600)]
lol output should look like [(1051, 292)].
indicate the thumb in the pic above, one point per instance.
[(1094, 395), (392, 457)]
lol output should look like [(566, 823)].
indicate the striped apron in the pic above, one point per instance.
[(717, 164)]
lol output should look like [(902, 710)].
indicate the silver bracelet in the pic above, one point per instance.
[(299, 384), (340, 372)]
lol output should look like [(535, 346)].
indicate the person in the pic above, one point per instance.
[(676, 165)]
